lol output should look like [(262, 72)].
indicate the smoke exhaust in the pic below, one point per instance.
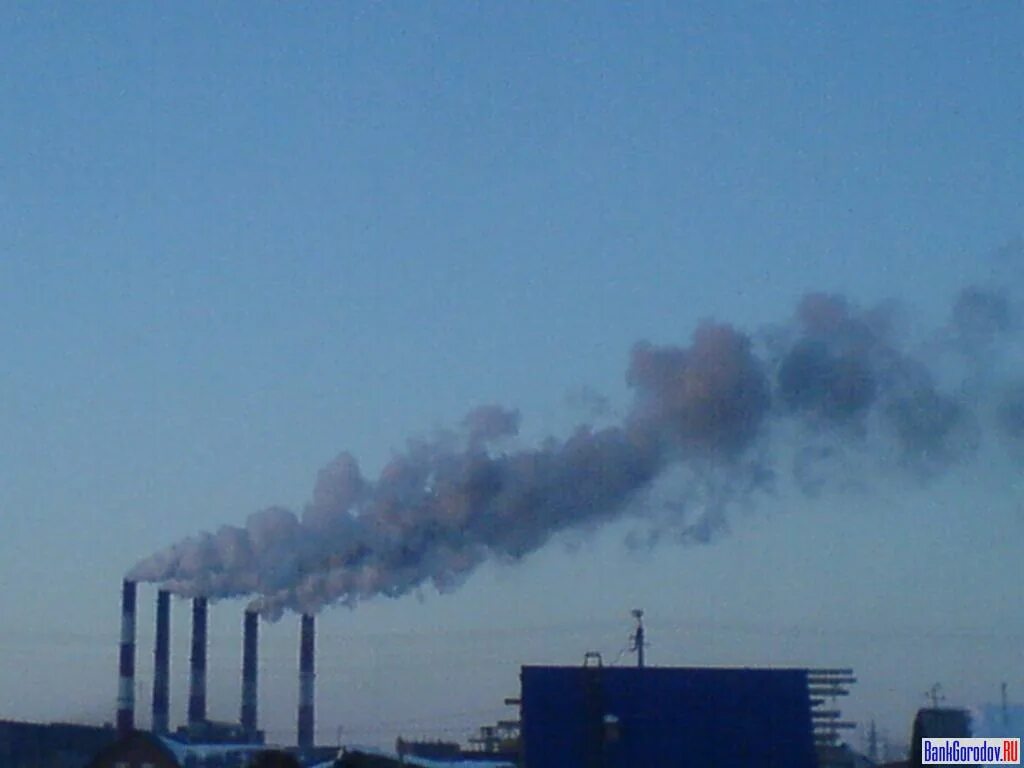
[(250, 667), (307, 652), (833, 396), (162, 663), (126, 662), (197, 682)]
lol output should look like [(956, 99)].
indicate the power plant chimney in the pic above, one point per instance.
[(197, 682), (126, 661), (307, 653), (162, 663), (250, 667)]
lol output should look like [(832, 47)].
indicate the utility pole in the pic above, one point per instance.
[(873, 743), (1005, 706), (638, 637)]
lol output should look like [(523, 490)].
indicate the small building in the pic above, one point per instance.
[(50, 745), (626, 717), (142, 749), (215, 732), (432, 750), (370, 758), (139, 749)]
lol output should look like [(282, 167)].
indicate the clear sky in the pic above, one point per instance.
[(236, 239)]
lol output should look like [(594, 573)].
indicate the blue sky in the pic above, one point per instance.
[(236, 240)]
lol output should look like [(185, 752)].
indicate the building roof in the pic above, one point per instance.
[(135, 744), (427, 763), (172, 752), (375, 757), (575, 716), (183, 751)]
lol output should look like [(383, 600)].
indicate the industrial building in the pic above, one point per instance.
[(587, 716), (142, 749), (570, 717), (201, 742), (620, 717), (934, 723), (592, 716), (136, 749), (198, 727)]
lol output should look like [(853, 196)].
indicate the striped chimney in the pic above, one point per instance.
[(250, 672), (307, 653), (197, 681), (162, 663), (126, 661)]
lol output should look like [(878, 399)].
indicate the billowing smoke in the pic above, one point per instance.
[(709, 399), (1011, 414), (981, 314), (488, 423), (933, 428), (719, 412), (834, 386)]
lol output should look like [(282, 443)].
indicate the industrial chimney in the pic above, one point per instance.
[(197, 682), (307, 652), (162, 663), (250, 667), (126, 661)]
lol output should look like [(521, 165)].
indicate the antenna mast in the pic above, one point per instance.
[(935, 696), (638, 637)]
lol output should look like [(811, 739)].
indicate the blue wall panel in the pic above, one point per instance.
[(706, 718)]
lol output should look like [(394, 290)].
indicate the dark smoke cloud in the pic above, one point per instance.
[(489, 423), (832, 318), (1010, 413), (836, 387), (589, 402), (711, 419), (934, 430), (710, 398), (339, 487), (981, 313), (839, 362)]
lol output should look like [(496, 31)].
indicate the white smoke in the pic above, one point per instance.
[(721, 411)]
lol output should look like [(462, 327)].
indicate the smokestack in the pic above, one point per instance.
[(162, 663), (250, 666), (307, 652), (126, 665), (197, 684)]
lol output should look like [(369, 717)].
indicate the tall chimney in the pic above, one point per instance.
[(250, 667), (162, 663), (307, 652), (126, 661), (197, 682)]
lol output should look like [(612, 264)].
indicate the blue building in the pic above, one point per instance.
[(937, 723), (627, 717)]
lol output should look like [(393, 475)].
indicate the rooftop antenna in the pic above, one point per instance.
[(935, 696), (638, 637)]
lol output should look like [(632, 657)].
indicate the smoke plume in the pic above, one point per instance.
[(730, 413)]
